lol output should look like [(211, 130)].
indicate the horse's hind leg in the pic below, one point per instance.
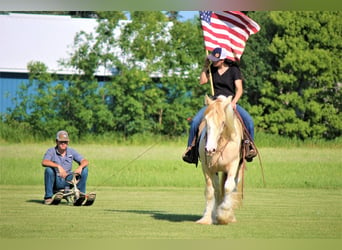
[(210, 208)]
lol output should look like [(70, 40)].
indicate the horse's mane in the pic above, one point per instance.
[(222, 108), (230, 118)]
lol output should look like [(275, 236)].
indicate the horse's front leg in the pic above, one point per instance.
[(211, 187), (225, 212)]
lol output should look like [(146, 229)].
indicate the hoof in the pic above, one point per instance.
[(204, 222), (225, 221), (222, 222)]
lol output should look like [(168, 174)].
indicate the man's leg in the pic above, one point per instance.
[(81, 185), (87, 199), (50, 182), (60, 183)]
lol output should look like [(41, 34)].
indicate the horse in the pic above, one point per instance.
[(220, 152)]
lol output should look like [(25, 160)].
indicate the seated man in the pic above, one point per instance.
[(58, 164)]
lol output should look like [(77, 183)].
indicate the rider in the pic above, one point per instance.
[(58, 164), (227, 81)]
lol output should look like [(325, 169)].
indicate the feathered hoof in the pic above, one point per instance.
[(225, 217), (222, 222), (225, 221), (204, 221)]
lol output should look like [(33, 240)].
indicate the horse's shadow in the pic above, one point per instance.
[(160, 215), (36, 201)]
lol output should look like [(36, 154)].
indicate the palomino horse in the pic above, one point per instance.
[(219, 151)]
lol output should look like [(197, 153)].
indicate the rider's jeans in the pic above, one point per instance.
[(54, 182), (247, 119)]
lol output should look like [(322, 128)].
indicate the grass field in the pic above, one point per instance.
[(169, 213), (149, 193)]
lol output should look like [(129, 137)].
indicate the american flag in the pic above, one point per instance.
[(227, 29)]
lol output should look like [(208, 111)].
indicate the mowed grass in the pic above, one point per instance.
[(170, 213), (147, 192)]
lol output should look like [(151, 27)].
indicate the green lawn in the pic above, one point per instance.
[(149, 193), (170, 213)]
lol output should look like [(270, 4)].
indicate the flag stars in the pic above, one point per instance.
[(205, 16)]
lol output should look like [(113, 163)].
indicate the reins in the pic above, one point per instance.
[(130, 162), (220, 151), (250, 139)]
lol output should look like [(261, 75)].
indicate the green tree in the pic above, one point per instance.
[(37, 105), (85, 106), (160, 105), (301, 97), (185, 58), (291, 68), (133, 97), (256, 66)]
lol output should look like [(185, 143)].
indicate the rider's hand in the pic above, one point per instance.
[(206, 62), (233, 104)]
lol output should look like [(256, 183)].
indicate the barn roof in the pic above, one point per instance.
[(49, 39), (44, 38)]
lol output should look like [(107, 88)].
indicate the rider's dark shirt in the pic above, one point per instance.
[(225, 84)]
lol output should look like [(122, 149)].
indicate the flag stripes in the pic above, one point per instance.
[(227, 29)]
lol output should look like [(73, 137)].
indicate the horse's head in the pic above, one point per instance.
[(215, 117)]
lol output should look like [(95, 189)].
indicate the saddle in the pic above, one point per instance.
[(248, 148)]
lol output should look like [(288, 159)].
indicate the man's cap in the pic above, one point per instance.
[(218, 54), (62, 136)]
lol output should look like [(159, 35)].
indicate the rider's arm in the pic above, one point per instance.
[(204, 76), (238, 92)]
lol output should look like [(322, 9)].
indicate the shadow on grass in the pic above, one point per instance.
[(160, 215), (35, 201)]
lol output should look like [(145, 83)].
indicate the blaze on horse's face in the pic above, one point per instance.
[(215, 122)]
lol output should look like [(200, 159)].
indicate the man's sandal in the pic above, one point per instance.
[(80, 200), (90, 198), (55, 200)]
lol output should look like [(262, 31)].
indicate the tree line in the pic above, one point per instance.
[(291, 70)]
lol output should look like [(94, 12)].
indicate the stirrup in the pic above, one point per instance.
[(250, 150)]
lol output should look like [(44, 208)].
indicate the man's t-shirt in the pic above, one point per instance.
[(71, 155)]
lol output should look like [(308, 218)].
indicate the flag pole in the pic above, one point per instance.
[(210, 77)]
